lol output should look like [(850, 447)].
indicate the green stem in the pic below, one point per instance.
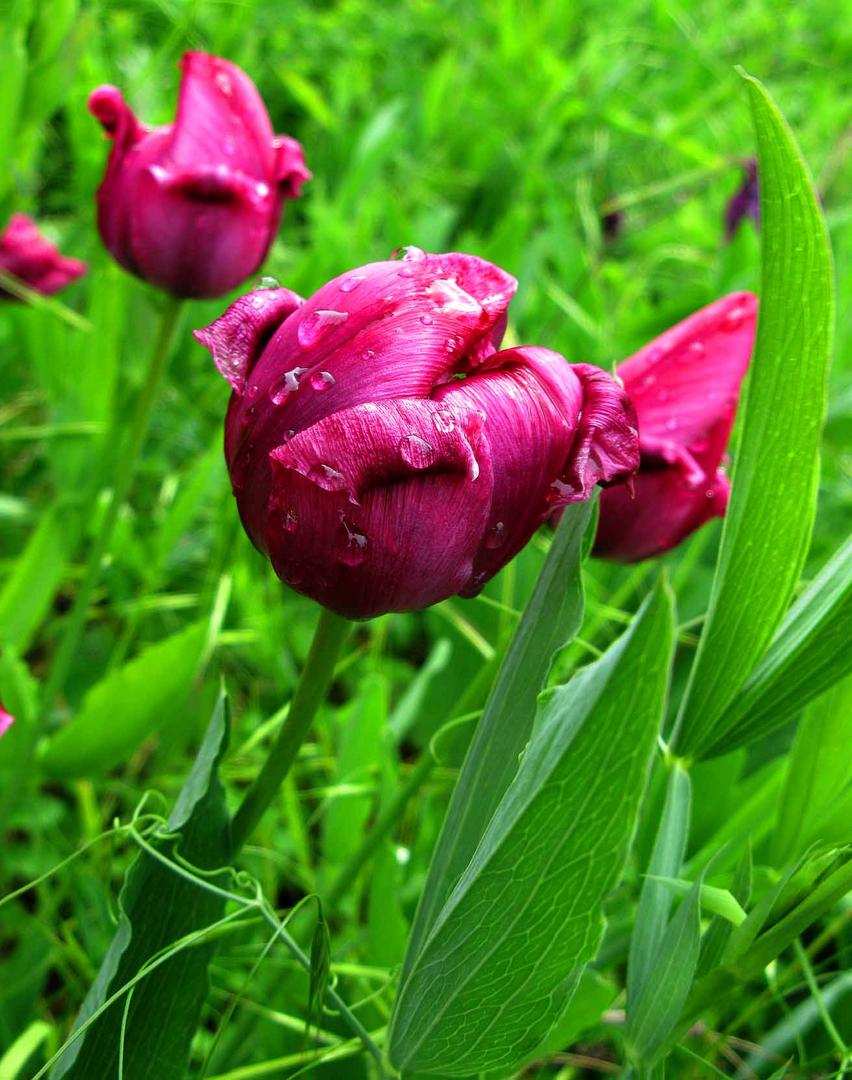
[(121, 483), (331, 633)]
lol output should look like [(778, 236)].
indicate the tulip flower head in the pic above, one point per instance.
[(6, 720), (685, 387), (26, 255), (193, 207), (384, 453)]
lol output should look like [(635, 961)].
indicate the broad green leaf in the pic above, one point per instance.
[(35, 577), (128, 706), (655, 899), (595, 993), (819, 772), (768, 524), (503, 957), (552, 618), (22, 1049), (809, 653), (158, 907), (654, 1016)]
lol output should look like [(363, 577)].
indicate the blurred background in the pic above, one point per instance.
[(591, 149)]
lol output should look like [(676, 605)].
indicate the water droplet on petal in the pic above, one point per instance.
[(409, 253), (560, 491), (268, 282), (649, 380), (327, 477), (426, 320), (321, 380), (293, 573), (696, 348), (289, 384), (316, 324), (496, 536), (444, 422), (734, 319), (416, 451), (353, 547), (368, 354), (655, 354), (252, 390), (351, 283), (290, 519), (671, 424)]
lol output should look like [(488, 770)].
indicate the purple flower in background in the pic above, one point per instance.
[(26, 255), (745, 202), (193, 207), (384, 453), (685, 386)]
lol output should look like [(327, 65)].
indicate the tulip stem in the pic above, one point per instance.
[(125, 469), (331, 633)]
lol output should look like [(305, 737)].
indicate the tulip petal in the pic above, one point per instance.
[(237, 338), (381, 507), (661, 511), (221, 119), (531, 399), (685, 384), (6, 720), (28, 256)]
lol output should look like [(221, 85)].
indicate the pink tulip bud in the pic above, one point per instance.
[(26, 255), (6, 720), (193, 207), (685, 387), (383, 453)]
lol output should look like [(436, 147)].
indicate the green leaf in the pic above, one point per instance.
[(768, 525), (552, 617), (653, 1019), (506, 950), (158, 907), (719, 931), (595, 993), (22, 1049), (125, 708), (655, 899), (819, 773), (319, 972), (35, 577), (810, 652)]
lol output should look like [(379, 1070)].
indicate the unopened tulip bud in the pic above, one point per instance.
[(25, 254), (383, 453), (193, 207)]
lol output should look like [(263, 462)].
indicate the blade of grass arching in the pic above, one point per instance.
[(809, 653), (502, 958), (819, 773), (552, 617), (768, 525)]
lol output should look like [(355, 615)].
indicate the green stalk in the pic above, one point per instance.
[(331, 632), (122, 479)]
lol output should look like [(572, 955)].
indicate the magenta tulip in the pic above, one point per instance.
[(384, 453), (26, 255), (193, 207), (685, 387), (6, 720)]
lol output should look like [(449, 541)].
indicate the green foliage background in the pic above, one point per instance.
[(505, 129)]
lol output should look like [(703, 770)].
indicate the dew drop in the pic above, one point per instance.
[(426, 320), (418, 453), (649, 380), (327, 477), (351, 283), (734, 319), (353, 547), (655, 354), (289, 384), (671, 424), (316, 324), (560, 491), (368, 354), (409, 253), (321, 380), (268, 282), (444, 422), (293, 573), (696, 348), (405, 272), (496, 536), (252, 390), (290, 519)]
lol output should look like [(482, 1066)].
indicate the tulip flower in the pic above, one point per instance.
[(685, 387), (26, 255), (384, 453), (6, 720), (193, 207)]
